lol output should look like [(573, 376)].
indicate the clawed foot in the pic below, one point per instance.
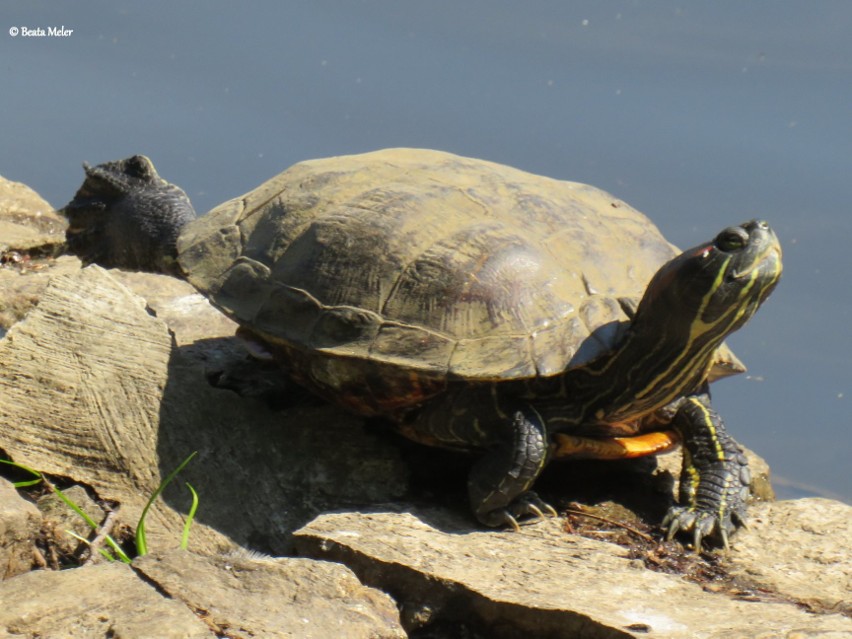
[(715, 480), (702, 524), (527, 508)]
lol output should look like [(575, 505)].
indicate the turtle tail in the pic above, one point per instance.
[(126, 216)]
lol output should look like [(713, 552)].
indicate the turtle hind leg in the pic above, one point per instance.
[(126, 216), (499, 482)]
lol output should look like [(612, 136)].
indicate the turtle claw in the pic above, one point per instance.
[(703, 525), (544, 510), (511, 521), (550, 511), (527, 508), (531, 504), (715, 480), (536, 512)]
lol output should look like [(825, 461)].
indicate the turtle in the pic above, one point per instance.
[(473, 305)]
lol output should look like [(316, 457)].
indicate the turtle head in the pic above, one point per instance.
[(126, 216), (691, 305), (710, 291)]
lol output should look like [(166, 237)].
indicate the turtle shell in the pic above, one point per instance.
[(380, 278)]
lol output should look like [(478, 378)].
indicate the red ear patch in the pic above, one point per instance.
[(701, 251)]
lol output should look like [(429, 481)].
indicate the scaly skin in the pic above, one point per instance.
[(714, 483)]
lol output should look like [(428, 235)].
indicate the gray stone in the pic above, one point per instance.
[(267, 597), (102, 601), (31, 235), (540, 581)]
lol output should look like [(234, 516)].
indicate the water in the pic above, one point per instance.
[(700, 115)]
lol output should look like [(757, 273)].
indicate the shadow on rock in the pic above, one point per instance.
[(271, 457), (263, 471)]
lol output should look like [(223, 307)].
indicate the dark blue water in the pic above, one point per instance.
[(700, 115)]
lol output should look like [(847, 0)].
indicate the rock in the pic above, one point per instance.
[(63, 356), (31, 235), (206, 338), (20, 523), (800, 549), (126, 406), (108, 600), (542, 582), (186, 312), (28, 224), (249, 596), (20, 289), (184, 595)]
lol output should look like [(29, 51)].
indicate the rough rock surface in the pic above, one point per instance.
[(31, 234), (801, 549), (99, 601), (63, 356), (187, 596), (21, 288), (28, 224), (540, 581), (267, 597), (186, 312)]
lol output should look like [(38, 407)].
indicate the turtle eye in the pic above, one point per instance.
[(732, 238)]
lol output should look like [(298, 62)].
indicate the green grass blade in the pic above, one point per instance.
[(27, 483), (70, 503), (184, 540), (118, 551), (103, 551), (92, 524), (141, 541)]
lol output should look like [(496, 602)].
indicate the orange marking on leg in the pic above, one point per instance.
[(576, 447)]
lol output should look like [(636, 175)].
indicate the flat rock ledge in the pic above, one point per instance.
[(181, 594), (545, 583)]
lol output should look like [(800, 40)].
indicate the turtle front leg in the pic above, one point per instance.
[(714, 482), (499, 482)]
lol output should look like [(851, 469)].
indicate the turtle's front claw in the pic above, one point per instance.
[(715, 480), (702, 524)]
